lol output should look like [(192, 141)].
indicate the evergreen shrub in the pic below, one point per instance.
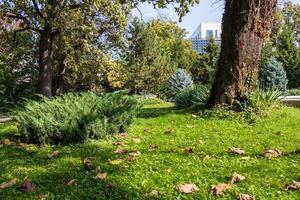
[(191, 96), (180, 80)]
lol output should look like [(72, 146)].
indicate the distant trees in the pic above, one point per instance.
[(156, 49)]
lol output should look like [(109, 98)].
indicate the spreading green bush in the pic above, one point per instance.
[(180, 80), (74, 118), (191, 96), (273, 75)]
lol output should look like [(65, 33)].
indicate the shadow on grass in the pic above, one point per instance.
[(153, 112), (52, 175)]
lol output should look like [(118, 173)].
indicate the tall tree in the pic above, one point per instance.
[(246, 25), (47, 18)]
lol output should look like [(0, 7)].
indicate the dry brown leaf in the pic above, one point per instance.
[(87, 162), (54, 154), (170, 131), (295, 185), (189, 150), (110, 185), (135, 153), (220, 188), (187, 188), (8, 184), (7, 142), (236, 151), (152, 147), (120, 151), (71, 182), (101, 176), (153, 193), (119, 143), (27, 186), (194, 115), (246, 197), (122, 135), (136, 140), (236, 178), (131, 158), (272, 153)]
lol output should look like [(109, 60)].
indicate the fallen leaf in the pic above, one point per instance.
[(153, 193), (272, 153), (27, 186), (236, 178), (152, 147), (194, 115), (110, 185), (7, 142), (295, 185), (119, 143), (54, 154), (87, 162), (169, 170), (120, 151), (220, 188), (116, 161), (134, 153), (8, 184), (131, 158), (101, 176), (201, 142), (189, 150), (246, 197), (136, 140), (189, 126), (122, 135), (170, 131), (71, 182), (236, 151), (187, 188)]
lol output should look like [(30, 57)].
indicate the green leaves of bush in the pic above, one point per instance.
[(74, 118), (191, 96)]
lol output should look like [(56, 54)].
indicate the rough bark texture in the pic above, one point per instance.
[(246, 24), (45, 57)]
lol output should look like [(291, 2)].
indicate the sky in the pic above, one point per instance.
[(205, 11)]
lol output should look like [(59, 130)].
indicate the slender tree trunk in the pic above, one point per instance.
[(246, 25), (60, 81), (45, 58)]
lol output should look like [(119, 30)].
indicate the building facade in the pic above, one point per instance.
[(200, 37)]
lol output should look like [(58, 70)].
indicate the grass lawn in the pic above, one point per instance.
[(172, 130)]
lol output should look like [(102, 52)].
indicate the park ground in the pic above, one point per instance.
[(169, 146)]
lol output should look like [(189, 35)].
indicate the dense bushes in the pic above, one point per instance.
[(191, 96), (273, 75), (74, 118), (180, 80)]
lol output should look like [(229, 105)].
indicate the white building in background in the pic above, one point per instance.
[(204, 31)]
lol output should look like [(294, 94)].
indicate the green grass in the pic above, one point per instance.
[(169, 165)]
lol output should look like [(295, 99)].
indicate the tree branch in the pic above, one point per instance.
[(38, 11)]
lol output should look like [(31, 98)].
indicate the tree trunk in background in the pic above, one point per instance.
[(246, 25), (45, 58)]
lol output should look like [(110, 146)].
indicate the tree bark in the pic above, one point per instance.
[(246, 25), (45, 58)]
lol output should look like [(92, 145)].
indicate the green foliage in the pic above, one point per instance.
[(273, 75), (294, 92), (149, 100), (156, 49), (74, 118), (210, 163), (262, 98), (285, 35), (180, 80), (192, 96), (204, 69)]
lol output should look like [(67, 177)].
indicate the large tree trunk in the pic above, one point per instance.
[(246, 24), (45, 58)]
